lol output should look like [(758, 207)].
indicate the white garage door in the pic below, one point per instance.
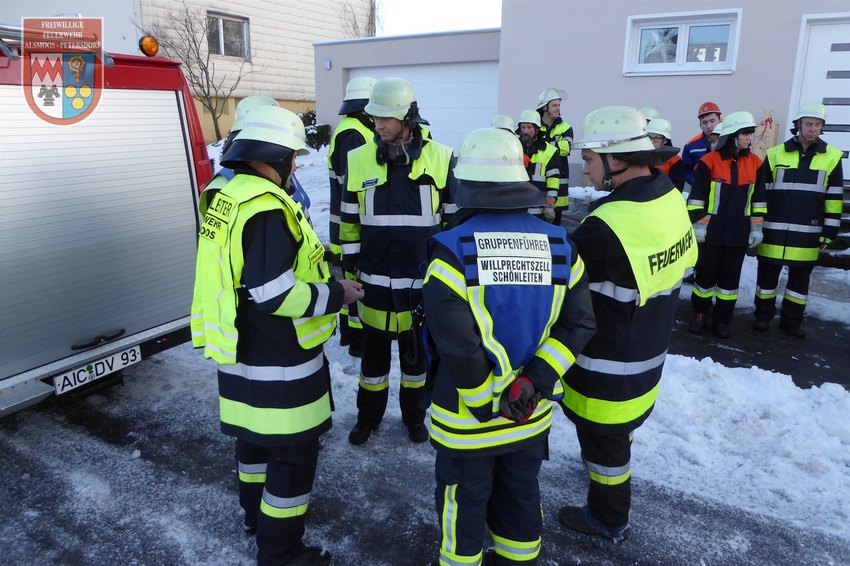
[(455, 98), (826, 79)]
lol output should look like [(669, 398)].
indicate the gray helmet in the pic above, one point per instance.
[(734, 123), (270, 133), (356, 95), (491, 173)]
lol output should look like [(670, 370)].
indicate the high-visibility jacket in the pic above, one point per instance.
[(543, 166), (693, 151), (560, 134), (804, 201), (503, 298), (267, 333), (675, 169), (637, 243), (350, 133), (388, 212), (729, 190)]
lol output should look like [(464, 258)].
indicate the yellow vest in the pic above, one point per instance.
[(219, 268), (660, 246)]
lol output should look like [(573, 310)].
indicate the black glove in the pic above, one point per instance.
[(519, 400)]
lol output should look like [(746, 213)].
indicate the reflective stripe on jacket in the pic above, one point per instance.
[(389, 211), (349, 134), (517, 271), (220, 264), (561, 136), (637, 243), (729, 190), (804, 202)]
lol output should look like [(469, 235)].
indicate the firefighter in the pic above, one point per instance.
[(263, 307), (542, 164), (727, 205), (804, 179), (355, 129), (508, 309), (559, 133), (660, 133), (397, 191), (225, 174), (504, 122), (649, 114), (708, 115), (636, 244)]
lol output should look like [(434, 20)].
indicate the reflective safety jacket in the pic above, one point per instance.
[(729, 191), (350, 133), (561, 136), (389, 210), (693, 151), (505, 295), (804, 201), (544, 171), (675, 169), (262, 308), (637, 243)]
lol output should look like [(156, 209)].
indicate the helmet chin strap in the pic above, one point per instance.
[(608, 178)]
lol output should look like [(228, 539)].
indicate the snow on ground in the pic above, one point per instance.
[(744, 436)]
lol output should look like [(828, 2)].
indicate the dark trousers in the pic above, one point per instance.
[(718, 272), (274, 489), (607, 460), (796, 293), (373, 393), (499, 490)]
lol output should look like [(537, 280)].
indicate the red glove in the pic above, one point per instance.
[(518, 400)]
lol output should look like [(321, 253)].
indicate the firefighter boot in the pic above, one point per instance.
[(698, 324), (579, 519), (417, 433), (359, 434), (312, 556)]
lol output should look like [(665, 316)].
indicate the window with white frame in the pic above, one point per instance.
[(228, 36), (686, 43)]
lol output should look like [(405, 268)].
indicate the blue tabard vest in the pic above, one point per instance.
[(519, 260)]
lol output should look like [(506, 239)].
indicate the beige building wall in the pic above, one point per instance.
[(281, 36), (586, 60)]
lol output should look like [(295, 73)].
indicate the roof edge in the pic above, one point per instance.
[(406, 36)]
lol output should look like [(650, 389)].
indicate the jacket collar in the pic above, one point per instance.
[(792, 145), (639, 189)]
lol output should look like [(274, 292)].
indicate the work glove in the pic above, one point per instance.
[(756, 235), (518, 400), (548, 214), (700, 228), (824, 242)]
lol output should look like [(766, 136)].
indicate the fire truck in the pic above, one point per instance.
[(98, 227)]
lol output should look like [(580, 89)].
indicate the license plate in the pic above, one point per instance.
[(96, 369)]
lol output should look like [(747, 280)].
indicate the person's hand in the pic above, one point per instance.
[(518, 400), (700, 228), (352, 291), (756, 235)]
